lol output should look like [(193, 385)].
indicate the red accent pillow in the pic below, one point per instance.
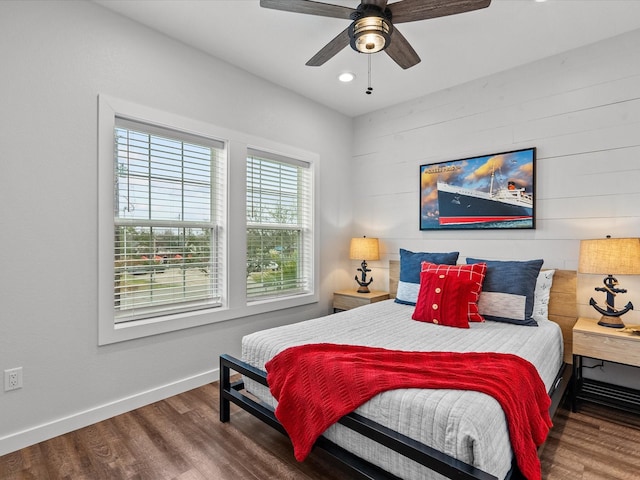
[(441, 300), (474, 272)]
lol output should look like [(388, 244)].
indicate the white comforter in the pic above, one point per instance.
[(467, 425)]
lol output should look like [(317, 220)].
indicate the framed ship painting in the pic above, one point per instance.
[(485, 192)]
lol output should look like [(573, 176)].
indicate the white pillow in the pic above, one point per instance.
[(541, 296)]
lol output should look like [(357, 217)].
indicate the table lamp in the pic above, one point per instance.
[(363, 248), (609, 256)]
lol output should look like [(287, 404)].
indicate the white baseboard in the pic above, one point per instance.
[(31, 436)]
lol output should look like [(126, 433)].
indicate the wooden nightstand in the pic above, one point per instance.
[(611, 345), (348, 299)]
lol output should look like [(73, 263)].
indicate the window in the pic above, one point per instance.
[(279, 226), (176, 205), (167, 219)]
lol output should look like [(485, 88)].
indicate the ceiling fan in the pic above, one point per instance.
[(372, 29)]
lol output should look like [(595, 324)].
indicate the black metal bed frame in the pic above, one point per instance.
[(429, 457)]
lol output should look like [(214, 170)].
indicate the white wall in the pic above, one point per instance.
[(55, 58), (582, 112)]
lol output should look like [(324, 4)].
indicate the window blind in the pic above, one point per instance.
[(168, 206), (279, 226)]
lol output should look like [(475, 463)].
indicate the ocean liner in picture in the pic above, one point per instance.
[(461, 206), (484, 192)]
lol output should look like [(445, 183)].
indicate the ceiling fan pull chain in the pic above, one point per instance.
[(369, 88)]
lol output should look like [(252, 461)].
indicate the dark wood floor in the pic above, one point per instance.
[(181, 438)]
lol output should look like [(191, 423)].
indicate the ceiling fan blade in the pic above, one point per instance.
[(309, 7), (381, 4), (401, 51), (330, 49), (413, 10)]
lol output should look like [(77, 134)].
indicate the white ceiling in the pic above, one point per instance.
[(275, 45)]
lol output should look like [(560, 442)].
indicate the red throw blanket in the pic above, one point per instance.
[(317, 384)]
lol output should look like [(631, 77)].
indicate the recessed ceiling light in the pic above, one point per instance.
[(346, 77)]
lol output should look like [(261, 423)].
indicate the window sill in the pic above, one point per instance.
[(114, 333)]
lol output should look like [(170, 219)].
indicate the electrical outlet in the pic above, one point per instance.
[(12, 379)]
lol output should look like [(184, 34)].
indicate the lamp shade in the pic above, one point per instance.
[(620, 256), (363, 248)]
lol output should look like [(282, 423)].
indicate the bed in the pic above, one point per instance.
[(414, 433)]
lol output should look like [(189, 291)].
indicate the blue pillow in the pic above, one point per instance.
[(508, 291), (410, 267)]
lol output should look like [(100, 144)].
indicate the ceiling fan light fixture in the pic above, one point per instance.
[(370, 34)]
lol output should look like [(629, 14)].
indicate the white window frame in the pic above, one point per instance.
[(109, 331), (160, 181), (304, 223), (234, 297)]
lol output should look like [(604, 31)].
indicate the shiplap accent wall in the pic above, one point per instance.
[(581, 110)]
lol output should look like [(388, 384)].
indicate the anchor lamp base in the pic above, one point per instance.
[(611, 315), (611, 322)]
